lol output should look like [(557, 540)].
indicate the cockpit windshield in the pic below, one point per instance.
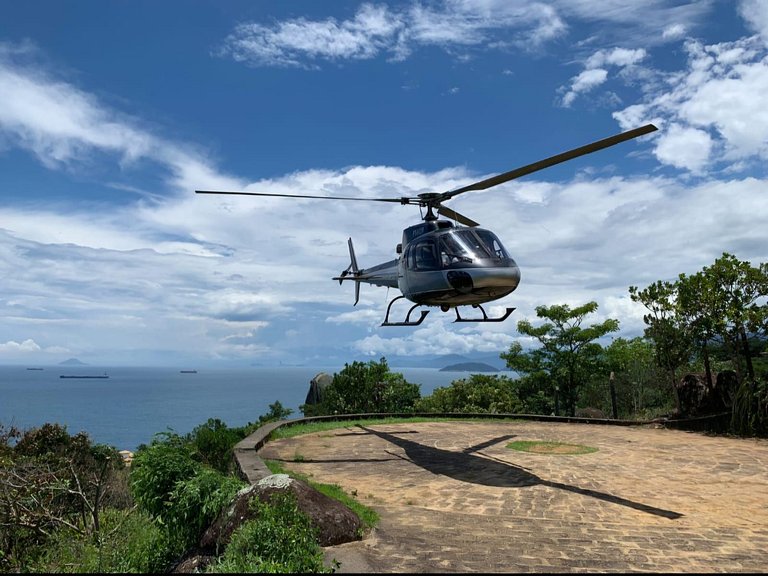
[(468, 245)]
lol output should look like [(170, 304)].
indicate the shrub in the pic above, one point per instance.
[(367, 388), (195, 503), (157, 468), (280, 539), (130, 542), (481, 393), (168, 483), (749, 415), (51, 480), (213, 442)]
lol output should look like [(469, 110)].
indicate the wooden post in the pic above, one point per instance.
[(614, 407)]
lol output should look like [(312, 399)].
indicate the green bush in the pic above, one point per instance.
[(157, 468), (52, 481), (129, 542), (195, 503), (168, 483), (749, 415), (213, 442), (366, 387), (281, 539), (481, 393)]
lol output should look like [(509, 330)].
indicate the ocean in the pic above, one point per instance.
[(128, 408)]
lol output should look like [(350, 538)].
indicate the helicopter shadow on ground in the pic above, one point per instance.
[(466, 466)]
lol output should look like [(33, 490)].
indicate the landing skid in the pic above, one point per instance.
[(408, 321), (485, 316)]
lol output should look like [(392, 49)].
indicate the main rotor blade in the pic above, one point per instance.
[(453, 215), (398, 200), (541, 164)]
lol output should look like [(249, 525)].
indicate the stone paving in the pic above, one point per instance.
[(452, 497)]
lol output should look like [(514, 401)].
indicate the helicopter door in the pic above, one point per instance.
[(423, 256)]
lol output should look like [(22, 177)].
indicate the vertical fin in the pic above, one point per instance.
[(353, 265), (354, 269)]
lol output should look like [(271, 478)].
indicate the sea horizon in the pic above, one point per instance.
[(134, 403)]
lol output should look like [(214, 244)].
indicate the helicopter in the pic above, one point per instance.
[(452, 262)]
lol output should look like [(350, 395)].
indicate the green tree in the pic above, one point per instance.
[(640, 390), (368, 387), (480, 393), (568, 354), (276, 412), (665, 327), (740, 287), (158, 467), (700, 309), (212, 443), (51, 480)]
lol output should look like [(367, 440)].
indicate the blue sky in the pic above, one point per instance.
[(114, 113)]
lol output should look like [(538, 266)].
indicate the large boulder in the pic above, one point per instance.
[(698, 399), (335, 522), (316, 387)]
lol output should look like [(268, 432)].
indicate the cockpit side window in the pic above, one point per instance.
[(423, 256)]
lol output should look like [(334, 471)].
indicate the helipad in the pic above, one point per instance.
[(454, 498)]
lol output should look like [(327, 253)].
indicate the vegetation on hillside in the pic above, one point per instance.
[(69, 505)]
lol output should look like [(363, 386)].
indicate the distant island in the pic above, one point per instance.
[(72, 362), (469, 367)]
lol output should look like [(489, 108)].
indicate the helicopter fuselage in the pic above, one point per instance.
[(442, 265)]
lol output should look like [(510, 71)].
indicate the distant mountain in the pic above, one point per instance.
[(441, 360), (72, 362), (469, 367)]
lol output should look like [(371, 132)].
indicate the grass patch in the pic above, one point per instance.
[(368, 516), (543, 447)]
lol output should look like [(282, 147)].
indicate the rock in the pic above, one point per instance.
[(316, 387), (193, 562), (590, 412), (697, 399), (336, 523)]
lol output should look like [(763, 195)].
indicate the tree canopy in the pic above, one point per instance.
[(568, 351)]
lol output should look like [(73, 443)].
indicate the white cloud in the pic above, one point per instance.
[(674, 32), (595, 73), (378, 29), (584, 82), (373, 29), (26, 346), (65, 127), (714, 110), (687, 148), (755, 12), (616, 57)]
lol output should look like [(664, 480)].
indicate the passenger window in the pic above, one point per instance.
[(426, 258)]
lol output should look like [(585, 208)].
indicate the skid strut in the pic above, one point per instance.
[(408, 321), (485, 316)]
